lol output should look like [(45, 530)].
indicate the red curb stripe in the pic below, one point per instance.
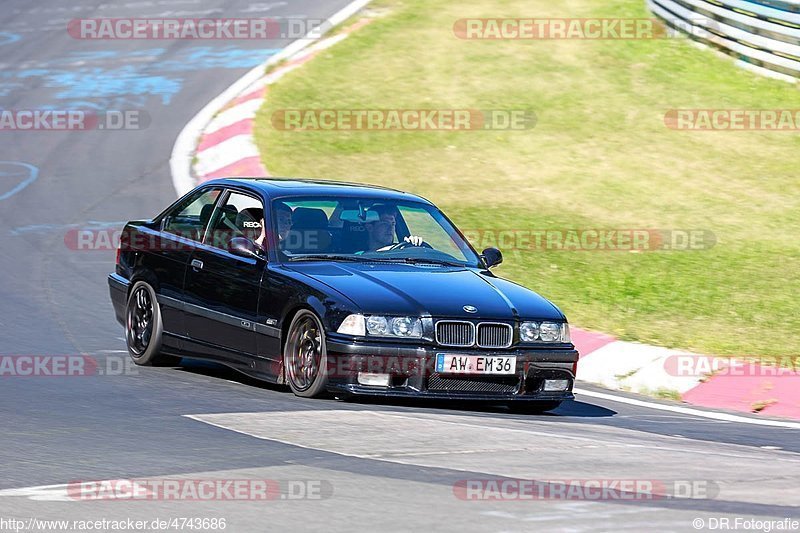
[(744, 393), (246, 167), (587, 342), (359, 24), (244, 126), (258, 93)]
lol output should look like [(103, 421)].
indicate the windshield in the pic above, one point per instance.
[(367, 230)]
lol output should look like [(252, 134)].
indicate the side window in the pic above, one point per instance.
[(190, 218), (240, 215)]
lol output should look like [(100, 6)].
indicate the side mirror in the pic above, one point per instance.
[(244, 247), (492, 257)]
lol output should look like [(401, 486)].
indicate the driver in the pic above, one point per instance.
[(381, 232)]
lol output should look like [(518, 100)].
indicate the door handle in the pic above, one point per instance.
[(197, 264)]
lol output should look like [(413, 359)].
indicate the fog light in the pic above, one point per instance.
[(375, 380), (556, 385)]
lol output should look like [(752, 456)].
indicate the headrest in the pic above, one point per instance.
[(229, 211), (250, 214), (309, 218), (205, 213), (354, 237)]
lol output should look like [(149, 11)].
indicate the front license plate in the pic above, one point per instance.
[(475, 364)]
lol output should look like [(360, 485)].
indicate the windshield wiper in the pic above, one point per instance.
[(332, 257), (424, 260), (368, 259)]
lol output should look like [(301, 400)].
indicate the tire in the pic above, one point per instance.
[(305, 356), (143, 328), (532, 407)]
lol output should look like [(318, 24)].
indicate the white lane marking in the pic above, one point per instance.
[(609, 512), (43, 493), (199, 418), (560, 435), (395, 456), (180, 161), (70, 492), (725, 417)]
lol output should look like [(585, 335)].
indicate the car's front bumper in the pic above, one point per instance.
[(413, 374)]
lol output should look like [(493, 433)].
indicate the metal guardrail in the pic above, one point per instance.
[(762, 35)]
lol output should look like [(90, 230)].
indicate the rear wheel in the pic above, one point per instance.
[(305, 356), (532, 408), (143, 328)]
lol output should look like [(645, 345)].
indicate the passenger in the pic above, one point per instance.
[(283, 214), (283, 218)]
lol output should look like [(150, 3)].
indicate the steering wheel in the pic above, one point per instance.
[(402, 245)]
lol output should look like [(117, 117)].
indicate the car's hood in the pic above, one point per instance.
[(421, 290)]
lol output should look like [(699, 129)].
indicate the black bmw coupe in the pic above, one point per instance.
[(339, 288)]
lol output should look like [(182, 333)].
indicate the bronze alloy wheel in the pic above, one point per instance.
[(305, 355)]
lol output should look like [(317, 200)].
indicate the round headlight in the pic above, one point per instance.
[(402, 326), (550, 332), (528, 331), (377, 325)]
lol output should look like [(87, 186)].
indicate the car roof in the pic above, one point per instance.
[(287, 187)]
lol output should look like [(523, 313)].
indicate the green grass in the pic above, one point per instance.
[(663, 393), (599, 157)]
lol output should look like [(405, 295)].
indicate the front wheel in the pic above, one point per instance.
[(305, 356), (143, 328), (533, 407)]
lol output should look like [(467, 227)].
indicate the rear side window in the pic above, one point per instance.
[(190, 218)]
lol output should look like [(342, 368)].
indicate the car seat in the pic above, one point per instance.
[(309, 233)]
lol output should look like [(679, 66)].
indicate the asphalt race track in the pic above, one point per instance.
[(380, 466)]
